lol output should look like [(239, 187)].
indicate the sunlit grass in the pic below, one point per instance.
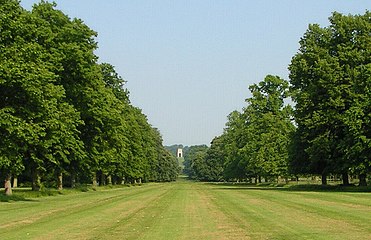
[(189, 210)]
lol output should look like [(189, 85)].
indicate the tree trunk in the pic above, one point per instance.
[(362, 180), (95, 183), (73, 180), (109, 180), (102, 180), (36, 180), (15, 182), (260, 179), (60, 181), (8, 185), (345, 178), (324, 179)]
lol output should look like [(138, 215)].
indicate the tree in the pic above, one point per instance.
[(234, 140), (255, 142), (62, 113), (46, 125), (268, 128), (194, 160), (90, 88), (330, 77), (215, 158), (204, 163)]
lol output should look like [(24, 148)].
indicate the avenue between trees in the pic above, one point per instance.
[(69, 129), (67, 120)]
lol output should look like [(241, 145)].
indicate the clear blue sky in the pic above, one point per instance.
[(189, 63)]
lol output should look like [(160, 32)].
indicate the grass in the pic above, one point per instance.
[(190, 210), (26, 194)]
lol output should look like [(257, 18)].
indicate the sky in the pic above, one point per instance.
[(188, 63)]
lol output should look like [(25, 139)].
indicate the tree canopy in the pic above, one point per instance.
[(330, 78), (62, 112)]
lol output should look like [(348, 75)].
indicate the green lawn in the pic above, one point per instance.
[(190, 210)]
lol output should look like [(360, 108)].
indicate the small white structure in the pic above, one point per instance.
[(179, 153)]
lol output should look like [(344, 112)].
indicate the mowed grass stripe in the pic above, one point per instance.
[(284, 215), (225, 227), (328, 205), (101, 223), (255, 215), (75, 216), (20, 212), (183, 213), (141, 221)]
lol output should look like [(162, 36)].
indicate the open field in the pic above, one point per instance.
[(190, 210)]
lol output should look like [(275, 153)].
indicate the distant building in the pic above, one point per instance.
[(179, 153)]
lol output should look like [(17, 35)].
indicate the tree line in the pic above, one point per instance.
[(327, 132), (63, 114)]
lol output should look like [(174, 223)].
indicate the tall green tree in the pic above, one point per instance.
[(330, 77), (215, 158), (234, 140), (194, 161), (255, 142), (72, 46), (31, 97), (62, 113), (268, 128)]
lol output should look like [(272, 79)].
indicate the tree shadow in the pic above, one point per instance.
[(23, 194), (291, 188), (14, 198)]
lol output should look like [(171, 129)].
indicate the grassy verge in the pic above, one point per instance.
[(26, 194), (298, 187)]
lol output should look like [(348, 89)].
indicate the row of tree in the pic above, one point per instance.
[(328, 131), (63, 113)]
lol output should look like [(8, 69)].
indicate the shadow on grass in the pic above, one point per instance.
[(289, 187), (13, 198), (26, 194)]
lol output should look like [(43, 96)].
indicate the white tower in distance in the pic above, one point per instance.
[(179, 153)]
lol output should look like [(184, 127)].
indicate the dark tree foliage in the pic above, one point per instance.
[(331, 82), (62, 113), (194, 161), (204, 163), (215, 158)]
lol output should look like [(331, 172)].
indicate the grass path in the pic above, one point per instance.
[(188, 210)]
